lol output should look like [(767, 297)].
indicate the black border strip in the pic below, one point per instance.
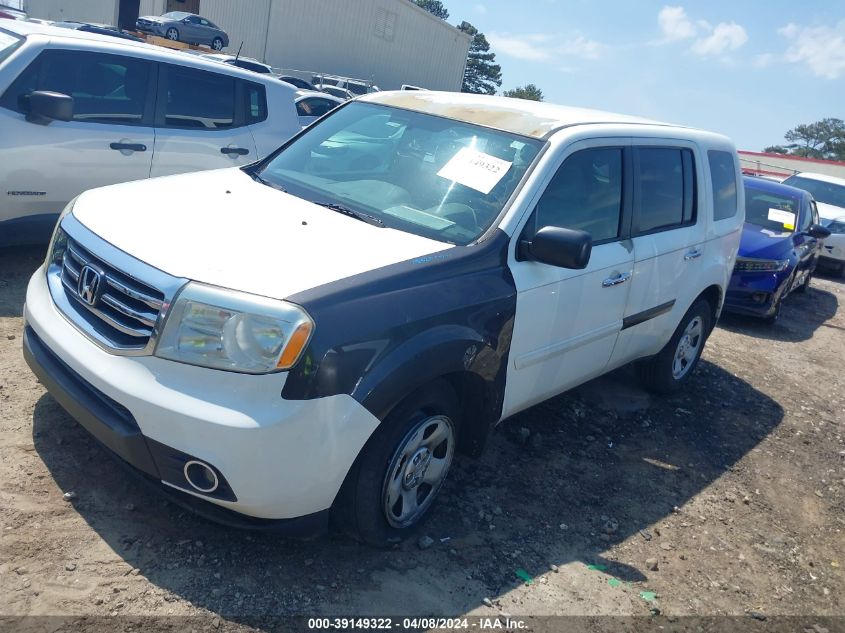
[(645, 315)]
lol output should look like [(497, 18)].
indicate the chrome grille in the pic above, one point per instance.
[(122, 309)]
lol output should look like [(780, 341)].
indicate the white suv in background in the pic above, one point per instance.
[(829, 194), (321, 332), (79, 110)]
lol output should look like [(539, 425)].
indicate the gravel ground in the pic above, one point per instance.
[(727, 499)]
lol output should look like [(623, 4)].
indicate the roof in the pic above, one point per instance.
[(302, 94), (770, 186), (823, 177), (519, 116), (177, 56)]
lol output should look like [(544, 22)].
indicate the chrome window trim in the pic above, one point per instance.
[(123, 263)]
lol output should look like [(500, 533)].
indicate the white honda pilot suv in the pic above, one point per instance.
[(320, 333)]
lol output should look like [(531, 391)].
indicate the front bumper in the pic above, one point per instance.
[(152, 28), (276, 459), (754, 294)]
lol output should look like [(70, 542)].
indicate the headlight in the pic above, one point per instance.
[(751, 265), (221, 329), (58, 243)]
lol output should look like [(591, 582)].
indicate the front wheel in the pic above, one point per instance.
[(393, 483), (172, 34), (217, 44), (805, 284), (667, 371)]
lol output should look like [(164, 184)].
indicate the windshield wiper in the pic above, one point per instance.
[(272, 185), (352, 213)]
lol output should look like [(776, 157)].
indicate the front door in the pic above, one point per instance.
[(567, 321), (198, 124)]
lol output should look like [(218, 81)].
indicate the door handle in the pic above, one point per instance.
[(621, 278), (132, 147), (237, 151), (692, 255)]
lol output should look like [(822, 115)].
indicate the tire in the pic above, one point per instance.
[(172, 34), (373, 505), (773, 318), (804, 286), (666, 372), (217, 44)]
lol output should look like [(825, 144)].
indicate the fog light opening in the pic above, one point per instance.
[(201, 476)]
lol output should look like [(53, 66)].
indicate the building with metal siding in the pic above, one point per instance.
[(389, 42)]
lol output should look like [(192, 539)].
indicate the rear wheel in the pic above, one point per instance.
[(173, 34), (217, 44), (393, 483), (667, 371)]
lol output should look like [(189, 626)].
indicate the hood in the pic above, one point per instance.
[(830, 211), (222, 228), (763, 243), (153, 18)]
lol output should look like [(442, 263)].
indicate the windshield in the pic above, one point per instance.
[(428, 175), (176, 15), (826, 192), (771, 211)]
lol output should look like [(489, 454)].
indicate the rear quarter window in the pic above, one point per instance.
[(723, 176), (256, 103)]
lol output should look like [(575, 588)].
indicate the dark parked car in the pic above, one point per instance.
[(780, 247), (102, 29), (181, 26)]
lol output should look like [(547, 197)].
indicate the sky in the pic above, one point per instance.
[(751, 69)]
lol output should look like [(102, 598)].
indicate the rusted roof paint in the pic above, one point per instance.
[(519, 116)]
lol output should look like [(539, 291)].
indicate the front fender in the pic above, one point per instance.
[(440, 351)]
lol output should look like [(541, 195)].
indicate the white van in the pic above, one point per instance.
[(322, 332), (80, 110)]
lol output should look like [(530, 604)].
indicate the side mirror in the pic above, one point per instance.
[(43, 106), (818, 231), (564, 248)]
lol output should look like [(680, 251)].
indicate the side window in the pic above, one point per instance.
[(199, 100), (806, 218), (105, 88), (663, 189), (256, 106), (723, 174), (585, 194)]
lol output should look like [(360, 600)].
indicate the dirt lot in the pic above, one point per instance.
[(727, 499)]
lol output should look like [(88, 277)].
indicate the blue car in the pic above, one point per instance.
[(779, 250)]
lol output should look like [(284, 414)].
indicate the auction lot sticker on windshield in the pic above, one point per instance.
[(787, 218), (475, 169)]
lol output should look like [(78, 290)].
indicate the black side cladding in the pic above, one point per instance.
[(382, 334)]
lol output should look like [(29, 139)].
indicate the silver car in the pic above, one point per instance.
[(181, 26)]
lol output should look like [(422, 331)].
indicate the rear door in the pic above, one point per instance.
[(201, 122), (109, 140), (668, 237)]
